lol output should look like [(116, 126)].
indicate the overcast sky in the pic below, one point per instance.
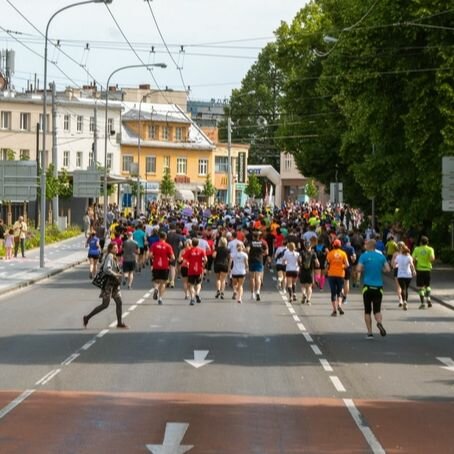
[(229, 35)]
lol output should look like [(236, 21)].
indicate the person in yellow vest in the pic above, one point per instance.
[(424, 256)]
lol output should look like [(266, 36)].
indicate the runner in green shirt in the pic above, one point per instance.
[(423, 256)]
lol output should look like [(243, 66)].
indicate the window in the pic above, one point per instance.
[(126, 163), (5, 120), (153, 132), (166, 162), (221, 164), (66, 159), (67, 122), (109, 160), (150, 166), (203, 166), (25, 121), (179, 134), (91, 159), (47, 122), (110, 125), (165, 133), (79, 159), (182, 166), (288, 161), (24, 155), (3, 154), (92, 124), (80, 123)]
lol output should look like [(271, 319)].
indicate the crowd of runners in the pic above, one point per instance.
[(307, 245)]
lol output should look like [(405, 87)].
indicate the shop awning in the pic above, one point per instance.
[(184, 194)]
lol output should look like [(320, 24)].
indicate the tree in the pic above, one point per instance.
[(311, 189), (253, 188), (167, 185), (208, 188)]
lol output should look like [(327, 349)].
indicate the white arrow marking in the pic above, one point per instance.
[(173, 437), (199, 359), (449, 363)]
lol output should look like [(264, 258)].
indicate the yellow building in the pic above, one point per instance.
[(156, 137)]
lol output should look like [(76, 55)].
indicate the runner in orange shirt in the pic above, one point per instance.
[(337, 263)]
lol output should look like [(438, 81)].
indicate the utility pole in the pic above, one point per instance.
[(95, 135), (37, 176), (54, 152), (373, 199), (229, 159)]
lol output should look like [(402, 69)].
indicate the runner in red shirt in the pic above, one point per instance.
[(161, 254), (196, 259)]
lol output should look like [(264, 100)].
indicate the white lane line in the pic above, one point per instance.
[(51, 376), (337, 384), (147, 295), (17, 401), (372, 441), (291, 310), (301, 327), (102, 333), (88, 344), (70, 359), (296, 318), (113, 325), (326, 365), (448, 362), (125, 314), (133, 307), (142, 300), (44, 378), (316, 350), (308, 337)]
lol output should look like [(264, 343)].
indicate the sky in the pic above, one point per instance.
[(221, 40)]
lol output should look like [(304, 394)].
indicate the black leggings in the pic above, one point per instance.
[(404, 283), (111, 291)]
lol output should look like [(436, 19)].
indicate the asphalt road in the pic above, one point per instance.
[(271, 377)]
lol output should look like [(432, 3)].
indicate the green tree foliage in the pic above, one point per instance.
[(311, 189), (208, 188), (253, 188), (167, 185), (373, 104)]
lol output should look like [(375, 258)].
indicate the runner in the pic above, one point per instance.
[(280, 265), (372, 264), (257, 249), (221, 257), (424, 256), (130, 252), (196, 259), (308, 263), (239, 262), (94, 251), (184, 267), (161, 254), (405, 271), (336, 262), (291, 260)]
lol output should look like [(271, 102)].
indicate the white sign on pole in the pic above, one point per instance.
[(447, 164), (448, 205)]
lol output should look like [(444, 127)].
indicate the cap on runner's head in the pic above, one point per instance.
[(336, 243)]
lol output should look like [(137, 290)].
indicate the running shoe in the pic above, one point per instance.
[(341, 311), (122, 325), (159, 301), (222, 295), (191, 303), (333, 314), (429, 304), (294, 297), (257, 297), (218, 294), (197, 298), (234, 296), (381, 329), (303, 299), (155, 294), (370, 336), (405, 306), (422, 306), (239, 302), (85, 320), (400, 304)]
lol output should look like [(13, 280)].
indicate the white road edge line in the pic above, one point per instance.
[(326, 365), (291, 310), (88, 344), (296, 318), (70, 359), (147, 295), (301, 327), (133, 307), (316, 350), (113, 325), (102, 333), (17, 401), (372, 441), (142, 300), (51, 376), (308, 337), (337, 384), (43, 378)]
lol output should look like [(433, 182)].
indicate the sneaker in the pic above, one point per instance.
[(252, 296), (405, 306), (257, 297), (172, 284), (333, 314), (218, 294), (422, 306), (294, 297), (159, 301), (303, 299), (85, 320), (370, 336), (234, 296), (239, 302), (308, 302), (381, 329), (400, 304), (340, 310), (222, 295), (344, 297), (155, 294), (122, 325), (429, 304), (197, 298), (191, 303)]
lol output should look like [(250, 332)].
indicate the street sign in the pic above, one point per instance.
[(86, 183), (447, 164), (18, 180), (448, 205), (241, 171), (336, 192)]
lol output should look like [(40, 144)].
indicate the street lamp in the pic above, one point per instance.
[(44, 129), (151, 65)]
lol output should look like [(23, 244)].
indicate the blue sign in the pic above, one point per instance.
[(127, 200)]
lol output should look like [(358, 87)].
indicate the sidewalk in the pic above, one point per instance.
[(21, 272)]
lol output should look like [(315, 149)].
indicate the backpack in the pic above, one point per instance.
[(281, 254)]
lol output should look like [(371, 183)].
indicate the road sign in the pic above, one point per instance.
[(18, 180), (448, 205), (447, 164), (336, 193), (86, 183)]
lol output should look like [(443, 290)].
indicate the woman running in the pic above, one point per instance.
[(240, 267), (291, 257), (405, 271), (184, 267), (221, 258)]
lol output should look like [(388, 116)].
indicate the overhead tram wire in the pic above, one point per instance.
[(53, 44), (167, 48), (40, 56), (137, 55)]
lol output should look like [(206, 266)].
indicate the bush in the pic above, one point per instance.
[(446, 255)]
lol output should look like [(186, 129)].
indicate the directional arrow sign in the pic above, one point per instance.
[(199, 359), (449, 363), (173, 437)]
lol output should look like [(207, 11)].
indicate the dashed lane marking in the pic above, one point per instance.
[(326, 365), (316, 350), (89, 344), (17, 401), (308, 337), (102, 333), (337, 384), (70, 359)]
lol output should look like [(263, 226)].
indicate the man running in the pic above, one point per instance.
[(372, 264), (257, 249), (196, 259), (424, 256)]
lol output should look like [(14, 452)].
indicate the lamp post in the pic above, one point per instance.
[(121, 68), (44, 129)]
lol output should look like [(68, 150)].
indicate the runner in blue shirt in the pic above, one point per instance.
[(139, 236), (372, 264)]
